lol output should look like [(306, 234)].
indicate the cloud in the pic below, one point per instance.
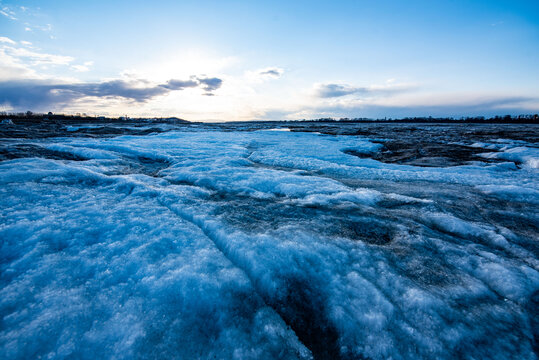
[(180, 84), (115, 88), (33, 94), (210, 84), (205, 83), (22, 61), (4, 39), (38, 94), (335, 90), (12, 68), (7, 12), (80, 68), (37, 58), (84, 67), (272, 72), (24, 86), (32, 27), (30, 18), (440, 106), (261, 75)]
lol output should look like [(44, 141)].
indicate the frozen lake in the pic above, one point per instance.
[(361, 241)]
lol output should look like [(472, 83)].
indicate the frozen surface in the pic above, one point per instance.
[(239, 242)]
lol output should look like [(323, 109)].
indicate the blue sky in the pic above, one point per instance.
[(241, 60)]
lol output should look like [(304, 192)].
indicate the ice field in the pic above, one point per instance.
[(245, 242)]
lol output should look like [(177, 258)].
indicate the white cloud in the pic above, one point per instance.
[(45, 28), (7, 40), (23, 62), (84, 67), (407, 103), (7, 12), (30, 18), (80, 68), (38, 58), (12, 69)]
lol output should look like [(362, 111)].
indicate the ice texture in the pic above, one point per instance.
[(217, 242)]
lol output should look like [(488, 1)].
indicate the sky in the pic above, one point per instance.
[(270, 60)]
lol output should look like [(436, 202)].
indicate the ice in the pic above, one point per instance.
[(453, 225), (90, 273), (278, 129), (83, 152), (513, 192), (270, 244), (529, 157)]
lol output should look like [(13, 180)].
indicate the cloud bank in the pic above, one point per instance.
[(23, 85), (38, 94), (442, 105)]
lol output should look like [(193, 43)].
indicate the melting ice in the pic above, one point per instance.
[(214, 242)]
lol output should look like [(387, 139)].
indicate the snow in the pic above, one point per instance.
[(529, 157), (264, 244)]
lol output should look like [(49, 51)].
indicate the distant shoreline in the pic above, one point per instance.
[(30, 117)]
